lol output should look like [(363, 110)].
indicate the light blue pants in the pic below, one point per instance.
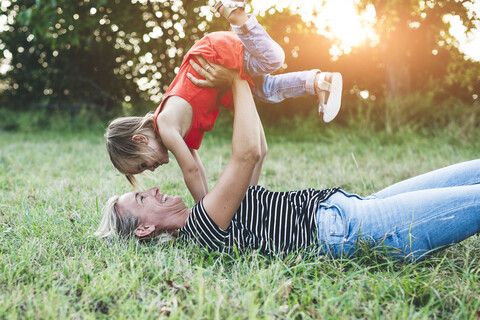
[(407, 220), (263, 56)]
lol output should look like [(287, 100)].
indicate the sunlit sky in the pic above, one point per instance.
[(350, 29)]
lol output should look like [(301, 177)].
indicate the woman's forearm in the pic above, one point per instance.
[(246, 142), (224, 198), (263, 153)]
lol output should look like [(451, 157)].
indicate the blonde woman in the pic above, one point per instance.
[(407, 220)]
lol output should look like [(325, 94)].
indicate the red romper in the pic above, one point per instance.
[(223, 48)]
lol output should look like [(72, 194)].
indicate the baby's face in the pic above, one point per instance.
[(160, 154), (140, 165)]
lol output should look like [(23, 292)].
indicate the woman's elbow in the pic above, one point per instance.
[(252, 155), (264, 149)]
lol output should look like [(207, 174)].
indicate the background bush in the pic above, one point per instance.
[(111, 57)]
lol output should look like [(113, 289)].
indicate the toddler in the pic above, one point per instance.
[(136, 144)]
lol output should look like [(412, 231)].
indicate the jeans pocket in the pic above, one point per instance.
[(331, 225), (337, 227), (332, 232)]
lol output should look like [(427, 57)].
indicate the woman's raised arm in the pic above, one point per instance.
[(225, 197)]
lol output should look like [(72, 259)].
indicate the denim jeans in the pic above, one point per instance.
[(263, 56), (407, 220)]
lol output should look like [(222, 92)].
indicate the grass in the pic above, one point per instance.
[(54, 183)]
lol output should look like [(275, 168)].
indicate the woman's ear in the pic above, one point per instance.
[(144, 231), (140, 138)]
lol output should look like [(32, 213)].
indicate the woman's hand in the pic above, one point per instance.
[(216, 76)]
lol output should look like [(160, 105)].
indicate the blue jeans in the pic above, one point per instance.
[(263, 56), (407, 220)]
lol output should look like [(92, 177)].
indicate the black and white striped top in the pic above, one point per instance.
[(270, 222)]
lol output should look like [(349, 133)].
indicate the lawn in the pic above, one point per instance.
[(53, 185)]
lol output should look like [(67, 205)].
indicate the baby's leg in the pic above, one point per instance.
[(262, 55), (276, 88)]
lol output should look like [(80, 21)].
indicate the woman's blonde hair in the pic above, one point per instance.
[(122, 149), (113, 225)]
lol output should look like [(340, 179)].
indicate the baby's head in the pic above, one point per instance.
[(133, 147)]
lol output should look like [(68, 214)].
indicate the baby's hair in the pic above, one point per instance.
[(121, 147)]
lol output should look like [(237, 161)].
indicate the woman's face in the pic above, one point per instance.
[(152, 208)]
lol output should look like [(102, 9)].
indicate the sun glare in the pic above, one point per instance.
[(335, 19), (339, 21)]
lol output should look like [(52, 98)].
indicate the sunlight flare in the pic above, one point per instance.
[(337, 20)]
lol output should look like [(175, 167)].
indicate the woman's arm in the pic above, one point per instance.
[(225, 197), (216, 76), (263, 153)]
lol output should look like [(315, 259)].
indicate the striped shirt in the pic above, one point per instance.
[(270, 222)]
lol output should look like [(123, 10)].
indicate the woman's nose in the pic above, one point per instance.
[(154, 190)]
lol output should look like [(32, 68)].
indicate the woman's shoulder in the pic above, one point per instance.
[(199, 220), (200, 228)]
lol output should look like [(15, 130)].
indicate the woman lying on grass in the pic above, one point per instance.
[(407, 220)]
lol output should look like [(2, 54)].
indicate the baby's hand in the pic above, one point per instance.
[(215, 76)]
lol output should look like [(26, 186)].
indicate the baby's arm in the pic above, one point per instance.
[(194, 176), (200, 167)]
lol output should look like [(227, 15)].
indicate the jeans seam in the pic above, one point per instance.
[(401, 229), (286, 89), (469, 184)]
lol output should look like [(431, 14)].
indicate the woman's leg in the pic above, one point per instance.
[(407, 226), (460, 174)]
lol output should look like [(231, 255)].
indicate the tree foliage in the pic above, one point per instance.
[(101, 53), (112, 54), (415, 43)]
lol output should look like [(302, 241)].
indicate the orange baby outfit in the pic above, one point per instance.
[(223, 48)]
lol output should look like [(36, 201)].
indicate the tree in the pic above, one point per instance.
[(415, 46), (102, 53)]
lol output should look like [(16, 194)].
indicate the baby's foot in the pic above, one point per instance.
[(233, 10), (328, 87), (322, 94)]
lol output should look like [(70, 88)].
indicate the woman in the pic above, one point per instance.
[(408, 220)]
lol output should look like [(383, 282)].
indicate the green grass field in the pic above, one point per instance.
[(53, 185)]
